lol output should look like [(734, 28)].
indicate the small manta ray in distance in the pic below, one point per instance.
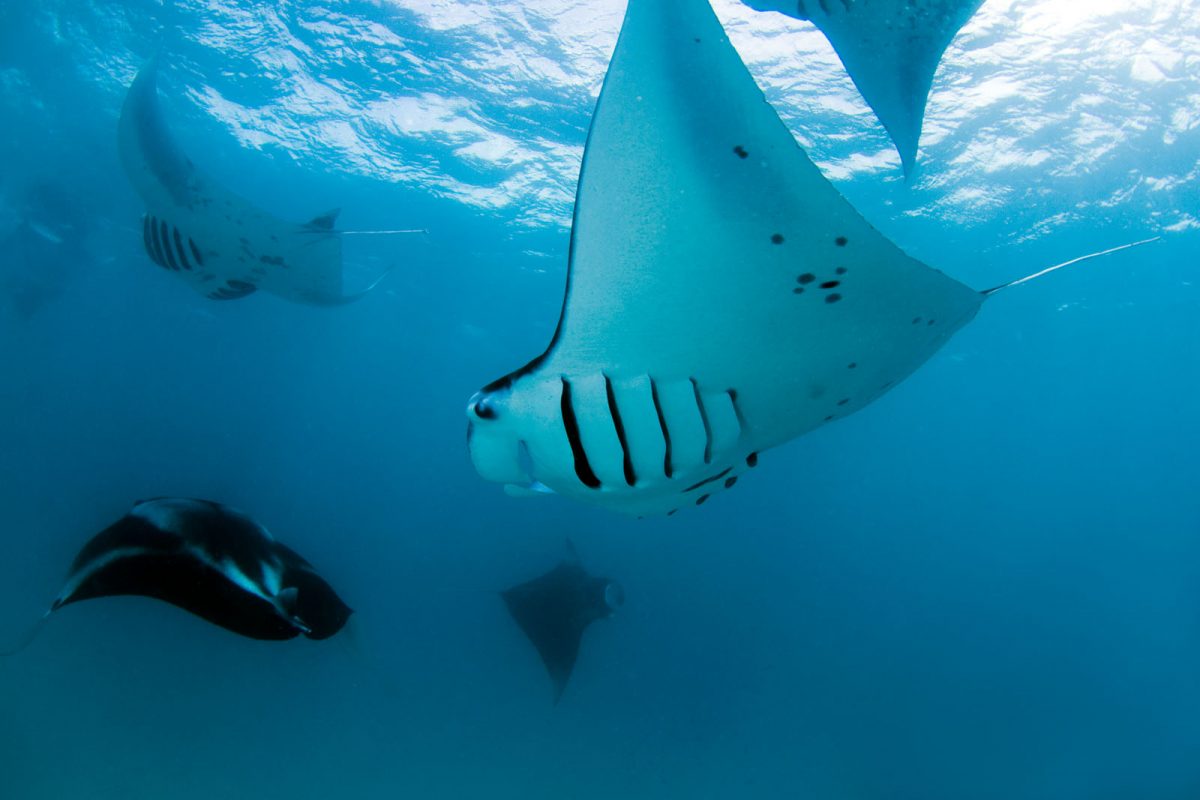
[(223, 246), (553, 610), (722, 296), (890, 49), (208, 559)]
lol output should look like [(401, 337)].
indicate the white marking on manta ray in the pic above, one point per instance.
[(168, 514), (891, 50), (84, 574), (722, 296), (223, 246)]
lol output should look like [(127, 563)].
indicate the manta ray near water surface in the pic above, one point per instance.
[(722, 296), (890, 49), (222, 245)]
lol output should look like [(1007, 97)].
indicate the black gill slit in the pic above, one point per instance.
[(179, 247), (708, 436), (582, 468), (662, 423), (164, 238), (630, 477)]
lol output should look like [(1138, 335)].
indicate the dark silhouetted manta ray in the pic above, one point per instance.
[(554, 610), (722, 296), (211, 560)]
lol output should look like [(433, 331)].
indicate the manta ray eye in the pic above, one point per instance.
[(484, 409)]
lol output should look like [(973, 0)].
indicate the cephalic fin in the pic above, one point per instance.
[(288, 597)]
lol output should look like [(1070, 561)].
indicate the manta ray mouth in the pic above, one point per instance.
[(525, 463)]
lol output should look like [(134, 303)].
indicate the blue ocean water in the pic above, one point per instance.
[(984, 585)]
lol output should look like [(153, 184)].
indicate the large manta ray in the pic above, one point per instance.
[(890, 48), (220, 243), (722, 296)]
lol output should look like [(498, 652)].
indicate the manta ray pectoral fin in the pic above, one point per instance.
[(1070, 262), (890, 49), (324, 222), (29, 635)]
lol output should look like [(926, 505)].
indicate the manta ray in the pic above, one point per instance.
[(890, 49), (722, 297), (222, 245), (554, 609), (206, 558)]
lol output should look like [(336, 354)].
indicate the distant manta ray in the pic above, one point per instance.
[(722, 296), (223, 246), (554, 609), (891, 50)]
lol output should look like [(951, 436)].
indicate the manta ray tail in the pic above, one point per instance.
[(384, 233), (27, 637), (1076, 260)]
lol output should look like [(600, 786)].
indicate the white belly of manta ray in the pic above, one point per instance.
[(722, 296)]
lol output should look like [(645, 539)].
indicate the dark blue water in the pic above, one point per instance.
[(985, 585)]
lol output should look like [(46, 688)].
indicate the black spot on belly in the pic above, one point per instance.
[(916, 321), (701, 499), (752, 460), (841, 241), (840, 270), (829, 418), (843, 401), (730, 481), (672, 511), (776, 238), (931, 321), (709, 479), (830, 284), (807, 277), (741, 151), (852, 365), (832, 297), (274, 260), (798, 290)]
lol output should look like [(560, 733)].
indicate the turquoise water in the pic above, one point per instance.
[(984, 585)]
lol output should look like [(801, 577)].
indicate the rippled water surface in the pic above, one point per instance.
[(985, 585)]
